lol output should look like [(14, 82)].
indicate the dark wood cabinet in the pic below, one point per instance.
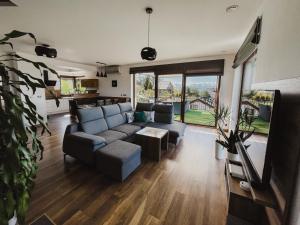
[(90, 83), (243, 208)]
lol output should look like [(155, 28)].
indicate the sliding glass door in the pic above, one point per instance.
[(170, 91), (195, 97), (201, 99)]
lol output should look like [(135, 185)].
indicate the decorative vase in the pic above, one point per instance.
[(233, 157), (219, 151), (13, 221)]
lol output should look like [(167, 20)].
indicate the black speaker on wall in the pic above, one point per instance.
[(45, 50)]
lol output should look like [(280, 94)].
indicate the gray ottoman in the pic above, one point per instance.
[(118, 159)]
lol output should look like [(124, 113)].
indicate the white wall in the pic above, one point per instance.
[(125, 79), (124, 83), (278, 58), (279, 49)]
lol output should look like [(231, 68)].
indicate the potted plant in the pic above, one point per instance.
[(222, 119), (229, 140), (20, 145)]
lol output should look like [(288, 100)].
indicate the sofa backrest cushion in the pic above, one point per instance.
[(92, 120), (113, 116), (140, 107), (124, 108), (163, 113)]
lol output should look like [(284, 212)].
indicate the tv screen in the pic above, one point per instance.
[(258, 113)]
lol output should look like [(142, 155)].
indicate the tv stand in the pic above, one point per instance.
[(243, 208)]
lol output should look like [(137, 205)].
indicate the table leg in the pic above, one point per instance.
[(156, 149), (165, 142)]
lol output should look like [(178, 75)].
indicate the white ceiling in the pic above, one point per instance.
[(114, 31)]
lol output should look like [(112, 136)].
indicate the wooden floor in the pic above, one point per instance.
[(186, 187)]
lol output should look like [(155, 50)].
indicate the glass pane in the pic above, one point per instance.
[(169, 91), (67, 86), (144, 87), (256, 106), (201, 94)]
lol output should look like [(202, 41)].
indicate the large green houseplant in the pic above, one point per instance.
[(20, 146)]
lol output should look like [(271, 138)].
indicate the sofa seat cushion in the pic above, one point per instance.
[(176, 129), (111, 136), (128, 129), (139, 124), (118, 159), (120, 151)]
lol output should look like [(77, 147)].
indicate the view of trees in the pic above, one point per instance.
[(144, 87), (170, 90)]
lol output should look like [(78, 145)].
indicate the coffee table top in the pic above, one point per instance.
[(153, 132)]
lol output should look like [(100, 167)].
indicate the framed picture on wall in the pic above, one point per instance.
[(114, 83)]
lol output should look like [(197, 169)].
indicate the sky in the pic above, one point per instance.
[(177, 79)]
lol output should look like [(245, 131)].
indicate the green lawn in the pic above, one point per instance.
[(261, 126), (198, 117), (205, 118)]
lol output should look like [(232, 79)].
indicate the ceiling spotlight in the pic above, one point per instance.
[(232, 8)]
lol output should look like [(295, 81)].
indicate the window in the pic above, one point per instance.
[(254, 102), (67, 86), (144, 87)]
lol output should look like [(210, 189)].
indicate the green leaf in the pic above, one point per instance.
[(18, 158), (7, 43), (55, 98), (22, 206), (10, 204), (3, 215), (224, 144), (17, 34)]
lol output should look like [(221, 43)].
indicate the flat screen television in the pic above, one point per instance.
[(256, 152)]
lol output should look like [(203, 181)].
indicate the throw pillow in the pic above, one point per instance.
[(149, 116), (140, 117), (129, 117)]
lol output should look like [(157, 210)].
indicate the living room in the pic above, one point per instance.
[(144, 105)]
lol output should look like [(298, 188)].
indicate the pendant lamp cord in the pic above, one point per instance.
[(148, 28)]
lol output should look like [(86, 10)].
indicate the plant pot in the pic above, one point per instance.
[(13, 221), (233, 157), (219, 151)]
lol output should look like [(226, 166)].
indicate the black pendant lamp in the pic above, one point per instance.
[(97, 74), (102, 67), (105, 74), (148, 53)]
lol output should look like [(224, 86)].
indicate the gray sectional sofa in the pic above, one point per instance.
[(101, 129)]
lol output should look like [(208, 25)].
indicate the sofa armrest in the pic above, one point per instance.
[(87, 138), (72, 128), (84, 138), (80, 141)]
